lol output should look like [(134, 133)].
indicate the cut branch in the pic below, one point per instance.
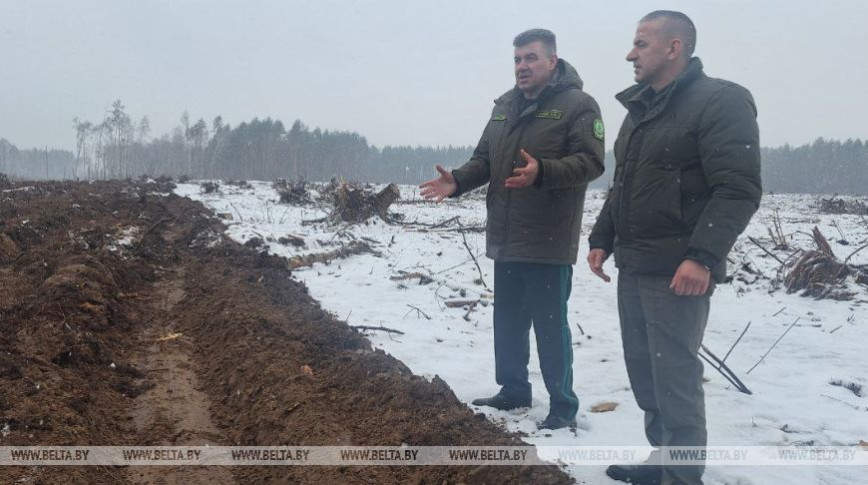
[(418, 312), (736, 342), (380, 328), (459, 303), (355, 247), (774, 344), (470, 309), (854, 252), (764, 249), (725, 371), (464, 238)]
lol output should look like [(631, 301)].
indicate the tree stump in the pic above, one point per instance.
[(384, 199), (354, 204)]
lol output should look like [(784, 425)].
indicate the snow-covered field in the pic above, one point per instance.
[(793, 400)]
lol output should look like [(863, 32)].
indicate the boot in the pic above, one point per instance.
[(502, 402), (638, 474), (556, 422)]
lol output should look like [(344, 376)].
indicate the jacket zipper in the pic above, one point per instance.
[(513, 165)]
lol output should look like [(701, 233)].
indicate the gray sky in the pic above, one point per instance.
[(402, 71)]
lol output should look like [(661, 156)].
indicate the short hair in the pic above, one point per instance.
[(547, 37), (676, 25)]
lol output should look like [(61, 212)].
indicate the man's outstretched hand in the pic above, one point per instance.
[(524, 176), (441, 187)]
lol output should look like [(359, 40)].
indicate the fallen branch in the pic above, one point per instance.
[(854, 252), (240, 217), (774, 344), (736, 342), (355, 247), (459, 303), (453, 267), (582, 330), (777, 235), (764, 249), (292, 239), (470, 308), (445, 223), (725, 371), (314, 221), (418, 312), (165, 219), (478, 268), (423, 278), (843, 239), (464, 229), (381, 328), (844, 402)]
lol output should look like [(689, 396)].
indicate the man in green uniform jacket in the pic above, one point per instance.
[(540, 148), (687, 181)]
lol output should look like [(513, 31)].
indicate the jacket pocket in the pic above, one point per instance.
[(655, 205), (671, 206)]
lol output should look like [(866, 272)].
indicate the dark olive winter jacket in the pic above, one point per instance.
[(687, 175), (564, 131)]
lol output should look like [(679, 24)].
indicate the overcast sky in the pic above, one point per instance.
[(402, 72)]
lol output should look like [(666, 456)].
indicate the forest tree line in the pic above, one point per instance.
[(265, 149)]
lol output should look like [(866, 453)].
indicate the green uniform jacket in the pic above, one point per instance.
[(687, 175), (564, 131)]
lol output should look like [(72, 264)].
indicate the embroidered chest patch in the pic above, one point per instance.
[(551, 114)]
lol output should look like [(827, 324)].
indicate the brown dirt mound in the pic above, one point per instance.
[(183, 337), (8, 248)]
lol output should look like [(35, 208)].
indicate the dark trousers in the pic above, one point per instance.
[(661, 333), (534, 294)]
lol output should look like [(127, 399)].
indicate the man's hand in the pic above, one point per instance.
[(691, 279), (441, 187), (524, 176), (595, 261)]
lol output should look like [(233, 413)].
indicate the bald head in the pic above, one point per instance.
[(675, 25)]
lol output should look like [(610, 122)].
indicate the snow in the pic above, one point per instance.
[(125, 238), (792, 402)]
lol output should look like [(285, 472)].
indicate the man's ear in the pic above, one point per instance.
[(676, 48), (553, 62)]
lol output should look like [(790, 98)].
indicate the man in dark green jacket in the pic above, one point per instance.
[(540, 148), (687, 181)]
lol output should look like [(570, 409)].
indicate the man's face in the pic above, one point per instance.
[(533, 68), (651, 53)]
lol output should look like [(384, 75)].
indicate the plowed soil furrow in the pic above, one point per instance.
[(174, 411), (127, 318)]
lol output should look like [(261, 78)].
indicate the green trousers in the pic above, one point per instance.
[(531, 294), (661, 333)]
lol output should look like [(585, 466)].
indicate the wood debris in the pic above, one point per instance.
[(460, 303), (354, 247), (169, 336), (604, 407)]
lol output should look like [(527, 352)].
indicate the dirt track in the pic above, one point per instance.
[(126, 318)]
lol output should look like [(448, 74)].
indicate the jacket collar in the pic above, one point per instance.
[(636, 98)]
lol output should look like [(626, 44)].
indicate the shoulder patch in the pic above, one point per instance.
[(599, 129), (551, 114), (498, 118)]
